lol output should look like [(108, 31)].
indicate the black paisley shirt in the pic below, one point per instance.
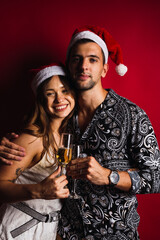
[(120, 136)]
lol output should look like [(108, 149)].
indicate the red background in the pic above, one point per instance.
[(37, 32)]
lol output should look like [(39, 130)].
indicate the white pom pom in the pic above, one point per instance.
[(121, 69)]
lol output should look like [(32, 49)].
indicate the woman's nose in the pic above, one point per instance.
[(59, 98)]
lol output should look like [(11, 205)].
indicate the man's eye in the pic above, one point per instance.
[(75, 60), (92, 60)]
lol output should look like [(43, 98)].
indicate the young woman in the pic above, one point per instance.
[(23, 214)]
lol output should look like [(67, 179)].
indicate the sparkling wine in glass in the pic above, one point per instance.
[(77, 152), (64, 153)]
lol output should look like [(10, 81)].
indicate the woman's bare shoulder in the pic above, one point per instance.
[(29, 141)]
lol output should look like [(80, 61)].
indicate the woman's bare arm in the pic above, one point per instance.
[(50, 188), (9, 191)]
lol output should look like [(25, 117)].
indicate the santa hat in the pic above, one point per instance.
[(45, 72), (105, 41)]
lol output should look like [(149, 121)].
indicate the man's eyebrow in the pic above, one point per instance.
[(75, 55), (94, 56), (91, 55)]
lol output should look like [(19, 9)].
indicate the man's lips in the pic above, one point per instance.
[(83, 77)]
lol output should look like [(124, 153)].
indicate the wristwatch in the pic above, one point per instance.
[(113, 178)]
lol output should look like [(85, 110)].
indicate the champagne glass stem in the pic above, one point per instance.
[(63, 170)]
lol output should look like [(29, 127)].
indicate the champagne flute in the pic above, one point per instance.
[(64, 153), (77, 152)]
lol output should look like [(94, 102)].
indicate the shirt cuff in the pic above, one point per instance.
[(136, 181)]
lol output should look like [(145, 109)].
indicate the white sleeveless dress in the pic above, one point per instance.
[(11, 218)]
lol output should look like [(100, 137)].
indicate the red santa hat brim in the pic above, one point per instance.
[(46, 72), (92, 36)]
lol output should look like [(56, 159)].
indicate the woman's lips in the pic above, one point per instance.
[(61, 107)]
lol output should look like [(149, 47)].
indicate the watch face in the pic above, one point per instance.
[(114, 177)]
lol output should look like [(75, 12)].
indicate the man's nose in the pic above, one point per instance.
[(84, 64)]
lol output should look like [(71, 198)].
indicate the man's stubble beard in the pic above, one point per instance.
[(88, 86)]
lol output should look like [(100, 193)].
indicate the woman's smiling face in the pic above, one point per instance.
[(60, 99)]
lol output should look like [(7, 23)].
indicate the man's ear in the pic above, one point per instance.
[(105, 69)]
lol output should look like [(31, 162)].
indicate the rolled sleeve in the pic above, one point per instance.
[(136, 181)]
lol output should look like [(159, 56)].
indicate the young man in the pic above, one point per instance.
[(118, 137), (123, 154)]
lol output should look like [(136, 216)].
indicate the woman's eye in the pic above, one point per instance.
[(50, 94), (65, 91)]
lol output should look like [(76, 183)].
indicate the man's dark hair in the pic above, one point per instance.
[(84, 40)]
